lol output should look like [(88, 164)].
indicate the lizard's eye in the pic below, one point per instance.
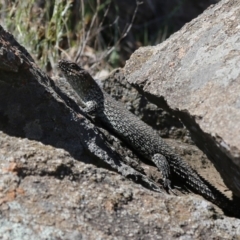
[(74, 66)]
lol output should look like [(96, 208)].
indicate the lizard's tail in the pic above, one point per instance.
[(198, 184)]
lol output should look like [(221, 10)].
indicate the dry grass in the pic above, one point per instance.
[(61, 28)]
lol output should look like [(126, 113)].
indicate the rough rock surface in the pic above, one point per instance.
[(51, 186), (47, 194), (195, 74)]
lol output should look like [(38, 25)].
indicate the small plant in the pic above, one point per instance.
[(40, 29), (69, 27)]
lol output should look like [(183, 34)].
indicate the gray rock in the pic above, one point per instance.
[(47, 194), (195, 75)]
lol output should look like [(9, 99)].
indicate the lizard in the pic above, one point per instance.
[(140, 136)]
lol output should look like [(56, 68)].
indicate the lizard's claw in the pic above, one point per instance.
[(167, 186)]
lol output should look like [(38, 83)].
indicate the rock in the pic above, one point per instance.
[(195, 75), (47, 194)]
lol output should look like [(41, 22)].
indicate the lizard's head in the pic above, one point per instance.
[(69, 68), (79, 79)]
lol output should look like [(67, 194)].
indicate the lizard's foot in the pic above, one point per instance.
[(167, 186), (163, 166)]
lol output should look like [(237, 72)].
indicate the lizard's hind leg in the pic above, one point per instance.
[(163, 166)]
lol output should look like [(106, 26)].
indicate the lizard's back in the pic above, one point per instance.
[(129, 127)]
